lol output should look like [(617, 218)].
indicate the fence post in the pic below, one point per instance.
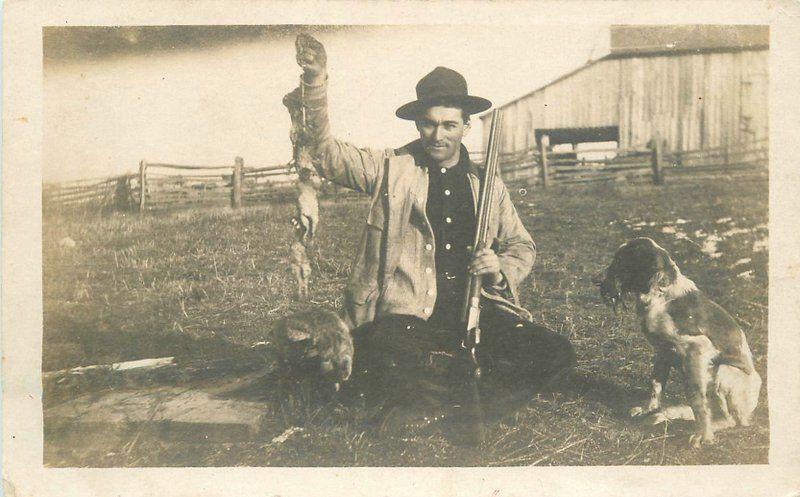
[(543, 144), (656, 159), (122, 193), (236, 193), (142, 184)]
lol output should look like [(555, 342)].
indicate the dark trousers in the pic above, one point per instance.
[(407, 358)]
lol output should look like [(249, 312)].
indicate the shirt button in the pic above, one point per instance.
[(447, 192), (428, 246), (448, 220), (444, 170), (428, 270), (429, 292), (427, 310), (447, 246)]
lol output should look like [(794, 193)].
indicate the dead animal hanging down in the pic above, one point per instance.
[(299, 262), (308, 182), (307, 204), (314, 344), (301, 268)]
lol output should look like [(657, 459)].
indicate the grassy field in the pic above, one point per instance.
[(203, 284)]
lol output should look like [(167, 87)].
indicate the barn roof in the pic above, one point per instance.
[(638, 40), (653, 41)]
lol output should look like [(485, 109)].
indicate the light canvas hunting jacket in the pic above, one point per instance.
[(393, 271)]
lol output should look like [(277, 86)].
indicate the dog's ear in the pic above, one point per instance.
[(634, 267), (610, 286), (665, 274)]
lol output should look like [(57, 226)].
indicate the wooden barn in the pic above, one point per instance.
[(700, 87)]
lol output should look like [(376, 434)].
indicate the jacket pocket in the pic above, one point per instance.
[(362, 294), (360, 305), (376, 217)]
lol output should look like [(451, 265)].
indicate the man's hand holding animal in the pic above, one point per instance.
[(311, 57)]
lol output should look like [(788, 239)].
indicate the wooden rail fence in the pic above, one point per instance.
[(177, 185), (160, 185), (653, 163), (107, 193)]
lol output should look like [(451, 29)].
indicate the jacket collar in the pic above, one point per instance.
[(414, 149)]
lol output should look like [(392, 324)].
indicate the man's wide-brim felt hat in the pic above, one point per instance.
[(442, 86)]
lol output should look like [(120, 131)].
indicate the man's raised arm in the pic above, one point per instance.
[(338, 161)]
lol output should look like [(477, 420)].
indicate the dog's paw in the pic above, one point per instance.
[(724, 424), (638, 411), (701, 438), (656, 418)]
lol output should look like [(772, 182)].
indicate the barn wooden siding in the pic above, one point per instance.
[(694, 100)]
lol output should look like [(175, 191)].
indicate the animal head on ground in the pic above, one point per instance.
[(319, 336), (639, 267)]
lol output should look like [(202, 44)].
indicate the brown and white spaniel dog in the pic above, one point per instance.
[(689, 332)]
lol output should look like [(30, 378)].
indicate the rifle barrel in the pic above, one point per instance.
[(486, 201), (490, 174)]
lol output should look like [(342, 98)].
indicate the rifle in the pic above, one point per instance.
[(471, 311)]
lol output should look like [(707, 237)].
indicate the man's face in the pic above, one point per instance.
[(441, 130)]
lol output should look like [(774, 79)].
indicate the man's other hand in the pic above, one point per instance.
[(312, 58), (485, 263)]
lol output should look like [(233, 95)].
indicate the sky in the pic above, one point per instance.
[(113, 97)]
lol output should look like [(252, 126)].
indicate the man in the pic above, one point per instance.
[(409, 278)]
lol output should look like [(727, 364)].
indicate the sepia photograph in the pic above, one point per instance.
[(487, 249), (350, 245)]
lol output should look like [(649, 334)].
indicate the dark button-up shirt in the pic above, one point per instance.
[(450, 210)]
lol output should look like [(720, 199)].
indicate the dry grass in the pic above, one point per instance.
[(204, 283)]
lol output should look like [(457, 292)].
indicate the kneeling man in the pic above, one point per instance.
[(409, 278)]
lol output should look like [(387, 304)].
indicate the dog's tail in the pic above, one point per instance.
[(740, 391)]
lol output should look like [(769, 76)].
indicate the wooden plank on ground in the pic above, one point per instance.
[(171, 412), (67, 382)]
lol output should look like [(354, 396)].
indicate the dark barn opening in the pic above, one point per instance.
[(579, 135)]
